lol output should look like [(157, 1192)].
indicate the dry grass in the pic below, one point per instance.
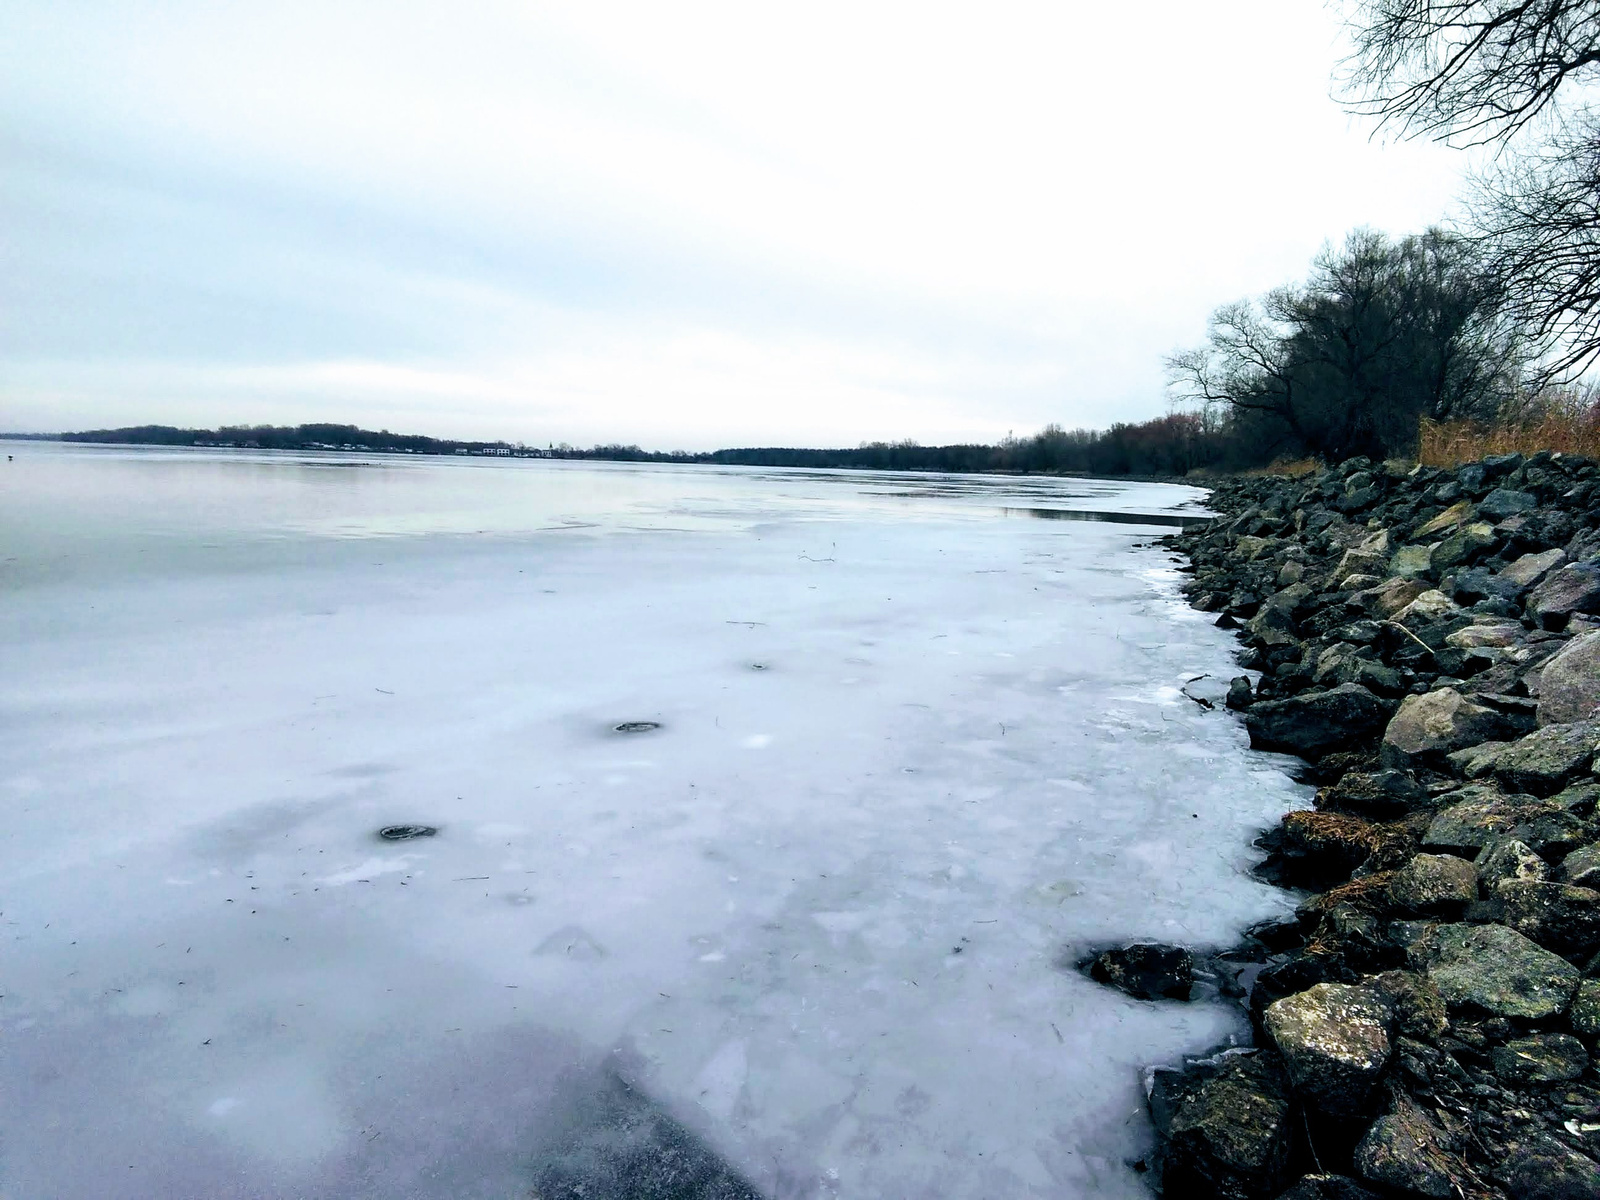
[(1292, 467), (1567, 421)]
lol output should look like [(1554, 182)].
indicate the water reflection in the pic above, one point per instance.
[(1178, 520)]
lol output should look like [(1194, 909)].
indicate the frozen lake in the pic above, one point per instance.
[(915, 746)]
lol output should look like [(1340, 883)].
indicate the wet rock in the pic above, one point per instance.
[(1528, 570), (1548, 760), (1540, 1058), (1506, 860), (1335, 1044), (1240, 694), (1569, 685), (1229, 1136), (1582, 867), (1416, 1009), (1428, 728), (1146, 971), (1571, 589), (1541, 1168), (1558, 916), (1327, 1187), (1585, 1012), (1382, 794), (1406, 1151), (1503, 502), (1495, 970), (1313, 724), (1439, 884)]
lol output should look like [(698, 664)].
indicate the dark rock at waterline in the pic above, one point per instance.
[(1227, 1130), (1335, 1044), (1240, 694), (1146, 971), (1313, 724)]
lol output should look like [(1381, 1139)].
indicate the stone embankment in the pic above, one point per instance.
[(1428, 642)]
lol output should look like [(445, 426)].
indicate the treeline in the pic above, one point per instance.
[(1167, 446), (289, 437)]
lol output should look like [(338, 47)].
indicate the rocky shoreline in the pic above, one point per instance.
[(1428, 642)]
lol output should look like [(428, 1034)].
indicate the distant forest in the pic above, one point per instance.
[(1167, 446)]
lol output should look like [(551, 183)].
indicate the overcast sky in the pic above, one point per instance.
[(682, 224)]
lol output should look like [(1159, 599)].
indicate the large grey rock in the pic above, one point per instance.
[(1229, 1135), (1471, 819), (1434, 883), (1462, 546), (1412, 562), (1528, 570), (1548, 760), (1572, 589), (1540, 1058), (1316, 723), (1335, 1044), (1495, 970), (1429, 727), (1389, 597), (1406, 1151), (1503, 502), (1429, 607), (1357, 562), (1448, 521), (1569, 684), (1497, 635), (1558, 916)]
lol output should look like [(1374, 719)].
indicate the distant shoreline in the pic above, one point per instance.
[(1008, 458)]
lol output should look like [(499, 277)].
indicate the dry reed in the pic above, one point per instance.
[(1567, 421)]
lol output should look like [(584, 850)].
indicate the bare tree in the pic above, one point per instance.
[(1382, 333), (1513, 74)]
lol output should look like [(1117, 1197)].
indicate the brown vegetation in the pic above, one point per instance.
[(1565, 420)]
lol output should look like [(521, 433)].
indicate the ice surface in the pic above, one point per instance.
[(913, 753)]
